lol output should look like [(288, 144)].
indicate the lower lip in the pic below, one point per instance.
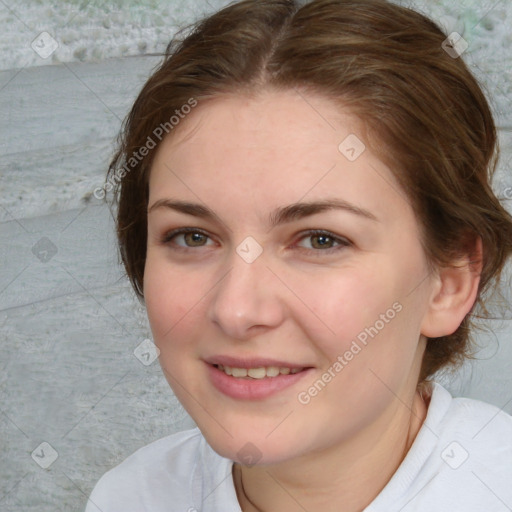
[(253, 389)]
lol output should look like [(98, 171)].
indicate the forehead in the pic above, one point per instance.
[(276, 147), (270, 119)]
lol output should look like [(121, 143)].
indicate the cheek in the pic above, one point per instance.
[(346, 302), (378, 334), (170, 297)]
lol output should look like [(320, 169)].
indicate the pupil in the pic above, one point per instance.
[(196, 237), (322, 239)]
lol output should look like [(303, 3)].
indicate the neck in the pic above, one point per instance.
[(347, 477)]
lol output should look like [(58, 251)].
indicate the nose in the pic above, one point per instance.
[(248, 299)]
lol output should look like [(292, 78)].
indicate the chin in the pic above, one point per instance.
[(251, 450)]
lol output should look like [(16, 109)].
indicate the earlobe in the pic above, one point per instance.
[(454, 294)]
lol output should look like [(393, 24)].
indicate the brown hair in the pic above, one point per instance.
[(425, 114)]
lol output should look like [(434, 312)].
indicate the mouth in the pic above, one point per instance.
[(255, 379)]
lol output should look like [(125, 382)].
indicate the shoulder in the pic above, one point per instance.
[(470, 430), (482, 425), (461, 460), (468, 455), (176, 450), (156, 473)]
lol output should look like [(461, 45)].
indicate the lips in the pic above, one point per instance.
[(258, 387)]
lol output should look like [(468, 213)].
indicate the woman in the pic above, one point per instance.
[(305, 209)]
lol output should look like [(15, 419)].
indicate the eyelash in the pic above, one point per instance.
[(343, 243)]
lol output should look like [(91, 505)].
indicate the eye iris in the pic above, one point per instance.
[(322, 237), (196, 237)]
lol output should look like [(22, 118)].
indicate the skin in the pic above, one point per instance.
[(295, 302)]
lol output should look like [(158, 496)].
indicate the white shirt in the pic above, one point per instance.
[(460, 461)]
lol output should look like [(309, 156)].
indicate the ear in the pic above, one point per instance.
[(454, 294)]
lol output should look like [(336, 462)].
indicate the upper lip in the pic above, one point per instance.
[(256, 362)]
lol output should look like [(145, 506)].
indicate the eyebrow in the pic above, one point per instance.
[(279, 216)]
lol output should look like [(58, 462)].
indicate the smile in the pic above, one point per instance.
[(256, 383)]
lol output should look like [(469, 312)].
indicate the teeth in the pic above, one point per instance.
[(258, 373), (272, 371), (239, 372)]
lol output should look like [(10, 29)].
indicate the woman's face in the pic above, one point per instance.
[(250, 286)]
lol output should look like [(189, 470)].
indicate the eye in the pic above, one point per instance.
[(194, 237), (325, 241)]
